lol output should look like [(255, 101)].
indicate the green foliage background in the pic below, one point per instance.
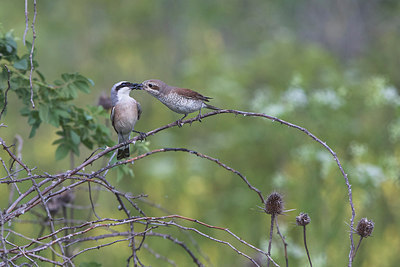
[(331, 69)]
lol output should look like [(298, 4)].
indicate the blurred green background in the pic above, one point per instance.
[(329, 66)]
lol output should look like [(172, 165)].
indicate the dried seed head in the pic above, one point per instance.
[(105, 101), (53, 205), (303, 219), (365, 227), (274, 204), (67, 197)]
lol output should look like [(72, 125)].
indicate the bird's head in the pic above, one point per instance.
[(154, 86), (123, 88)]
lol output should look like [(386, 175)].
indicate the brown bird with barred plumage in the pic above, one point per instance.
[(180, 100)]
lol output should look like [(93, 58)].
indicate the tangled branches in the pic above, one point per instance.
[(53, 194)]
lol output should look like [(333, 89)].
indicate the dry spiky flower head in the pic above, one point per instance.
[(274, 204), (303, 219), (365, 227)]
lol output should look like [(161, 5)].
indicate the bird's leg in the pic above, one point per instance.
[(198, 117), (179, 122), (142, 135)]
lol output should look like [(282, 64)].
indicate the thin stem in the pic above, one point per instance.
[(91, 202), (283, 241), (355, 251), (305, 245), (270, 237), (32, 50), (26, 22)]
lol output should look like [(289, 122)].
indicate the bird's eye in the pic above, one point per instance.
[(150, 85)]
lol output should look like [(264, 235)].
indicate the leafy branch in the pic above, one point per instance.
[(54, 101)]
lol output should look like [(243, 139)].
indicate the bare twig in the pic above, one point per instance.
[(4, 254), (11, 178), (180, 243), (283, 241), (158, 256), (32, 50), (220, 241), (26, 22), (91, 202), (48, 212), (5, 147)]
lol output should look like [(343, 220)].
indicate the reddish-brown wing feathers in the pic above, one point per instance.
[(191, 94)]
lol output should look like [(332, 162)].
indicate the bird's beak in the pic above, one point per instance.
[(136, 86)]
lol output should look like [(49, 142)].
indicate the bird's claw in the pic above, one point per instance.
[(179, 123), (142, 135), (198, 117)]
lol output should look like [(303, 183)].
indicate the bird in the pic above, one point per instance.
[(125, 112), (179, 100)]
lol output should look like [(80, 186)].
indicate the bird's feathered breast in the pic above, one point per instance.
[(124, 115)]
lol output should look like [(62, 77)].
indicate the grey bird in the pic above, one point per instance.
[(125, 113), (180, 100)]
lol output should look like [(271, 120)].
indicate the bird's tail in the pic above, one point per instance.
[(123, 152), (211, 107)]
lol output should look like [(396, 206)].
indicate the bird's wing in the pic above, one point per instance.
[(112, 117), (139, 109), (193, 94)]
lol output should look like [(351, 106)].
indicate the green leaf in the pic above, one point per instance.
[(88, 117), (103, 129), (10, 39), (91, 82), (33, 130), (58, 82), (21, 64), (62, 113), (72, 92), (75, 137), (9, 48), (25, 111), (83, 86), (62, 151), (87, 143), (54, 119), (44, 113), (41, 76), (75, 149), (65, 77), (58, 141)]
